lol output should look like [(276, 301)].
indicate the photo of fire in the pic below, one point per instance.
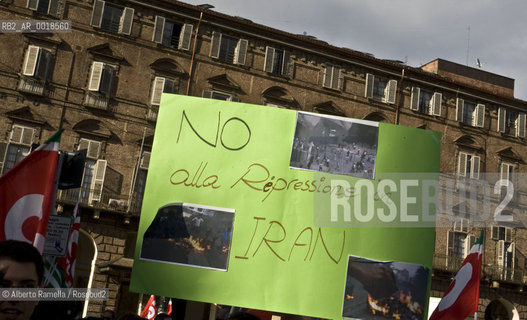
[(385, 290), (189, 234)]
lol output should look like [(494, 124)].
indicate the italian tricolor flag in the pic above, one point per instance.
[(462, 296), (27, 192)]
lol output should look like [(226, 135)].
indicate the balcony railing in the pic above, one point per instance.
[(104, 201), (97, 101), (31, 85), (490, 272)]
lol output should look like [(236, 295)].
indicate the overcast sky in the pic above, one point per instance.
[(415, 31)]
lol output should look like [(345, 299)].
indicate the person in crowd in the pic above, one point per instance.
[(108, 315), (21, 266)]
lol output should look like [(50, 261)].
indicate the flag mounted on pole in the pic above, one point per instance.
[(59, 272), (462, 296), (169, 309), (150, 312), (27, 192)]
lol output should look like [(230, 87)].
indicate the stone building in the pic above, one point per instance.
[(101, 82)]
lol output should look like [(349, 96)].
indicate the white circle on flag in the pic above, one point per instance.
[(26, 207), (462, 278), (151, 312)]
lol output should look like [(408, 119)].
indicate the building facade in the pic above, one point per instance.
[(102, 83)]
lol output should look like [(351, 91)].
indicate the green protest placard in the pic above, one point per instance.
[(239, 199)]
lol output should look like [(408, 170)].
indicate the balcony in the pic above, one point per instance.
[(97, 101), (32, 85), (152, 115), (106, 201), (490, 272)]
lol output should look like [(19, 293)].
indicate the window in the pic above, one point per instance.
[(35, 70), (18, 148), (505, 250), (219, 96), (112, 18), (228, 49), (140, 181), (100, 85), (160, 85), (468, 165), (380, 89), (51, 7), (459, 243), (425, 101), (511, 122), (469, 113), (277, 62), (332, 77), (94, 171), (172, 34)]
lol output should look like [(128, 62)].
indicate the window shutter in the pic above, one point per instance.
[(97, 181), (54, 8), (171, 86), (43, 64), (480, 115), (326, 80), (269, 59), (32, 4), (436, 104), (504, 171), (241, 52), (512, 250), (508, 234), (157, 90), (392, 89), (502, 113), (450, 244), (106, 83), (83, 144), (215, 44), (125, 25), (475, 167), (27, 136), (500, 250), (462, 165), (469, 242), (185, 37), (520, 125), (494, 232), (159, 27), (3, 151), (31, 60), (335, 79), (92, 148), (207, 94), (287, 65), (460, 105), (145, 160), (96, 16), (368, 91), (95, 76), (414, 99)]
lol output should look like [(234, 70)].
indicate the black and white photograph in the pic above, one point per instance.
[(190, 234), (335, 145), (385, 290)]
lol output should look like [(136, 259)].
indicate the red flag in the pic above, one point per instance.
[(462, 296), (67, 263), (27, 192), (169, 310), (150, 312)]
